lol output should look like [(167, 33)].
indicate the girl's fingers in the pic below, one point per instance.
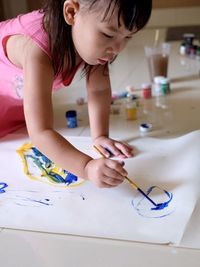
[(124, 149), (115, 168), (113, 174), (105, 185), (103, 151), (111, 181), (107, 182), (116, 149), (112, 150)]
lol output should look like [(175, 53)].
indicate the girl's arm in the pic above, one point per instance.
[(38, 80), (99, 100)]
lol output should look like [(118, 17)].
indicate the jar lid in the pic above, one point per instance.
[(188, 35), (165, 81), (146, 85), (157, 79), (70, 113)]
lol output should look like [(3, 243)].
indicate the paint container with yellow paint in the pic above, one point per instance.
[(131, 109)]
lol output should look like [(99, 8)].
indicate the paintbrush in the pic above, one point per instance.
[(130, 181)]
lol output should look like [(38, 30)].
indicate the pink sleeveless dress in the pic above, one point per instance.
[(11, 77)]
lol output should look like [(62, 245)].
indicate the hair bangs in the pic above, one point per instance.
[(133, 13)]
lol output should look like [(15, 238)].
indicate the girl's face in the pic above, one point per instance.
[(97, 41)]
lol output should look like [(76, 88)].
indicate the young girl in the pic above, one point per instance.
[(42, 50)]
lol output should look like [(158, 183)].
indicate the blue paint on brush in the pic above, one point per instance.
[(165, 204), (2, 187), (146, 196)]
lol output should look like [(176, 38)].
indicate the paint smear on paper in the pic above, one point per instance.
[(31, 202), (22, 200), (38, 167), (160, 196), (3, 186)]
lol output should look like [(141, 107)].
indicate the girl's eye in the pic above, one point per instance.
[(129, 37), (107, 36)]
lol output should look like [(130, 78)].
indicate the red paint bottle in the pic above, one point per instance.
[(146, 90)]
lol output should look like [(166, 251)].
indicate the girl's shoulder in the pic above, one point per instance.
[(29, 25), (23, 22)]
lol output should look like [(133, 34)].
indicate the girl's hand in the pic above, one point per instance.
[(110, 147), (105, 172)]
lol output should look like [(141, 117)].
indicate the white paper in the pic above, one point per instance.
[(118, 213)]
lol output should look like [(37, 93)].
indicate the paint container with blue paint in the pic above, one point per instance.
[(71, 116), (145, 127)]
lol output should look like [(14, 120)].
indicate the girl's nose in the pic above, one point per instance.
[(110, 53), (118, 47)]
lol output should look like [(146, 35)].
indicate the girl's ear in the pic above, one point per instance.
[(70, 8)]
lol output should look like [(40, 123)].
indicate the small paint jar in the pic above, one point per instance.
[(165, 86), (115, 109), (193, 50), (146, 90), (157, 90), (145, 127), (187, 49), (80, 101), (198, 53), (182, 49), (188, 38), (131, 109), (71, 116)]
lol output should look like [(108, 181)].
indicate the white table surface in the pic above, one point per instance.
[(177, 115)]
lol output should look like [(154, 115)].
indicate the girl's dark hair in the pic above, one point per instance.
[(133, 13)]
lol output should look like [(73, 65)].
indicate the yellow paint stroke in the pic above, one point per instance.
[(24, 150)]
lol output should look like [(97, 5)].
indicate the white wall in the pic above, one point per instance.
[(168, 17)]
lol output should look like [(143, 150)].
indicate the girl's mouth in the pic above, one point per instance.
[(102, 61)]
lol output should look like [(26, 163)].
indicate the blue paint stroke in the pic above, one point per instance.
[(78, 194), (43, 202), (40, 158), (2, 187), (83, 198), (40, 201), (165, 204), (159, 207), (47, 161)]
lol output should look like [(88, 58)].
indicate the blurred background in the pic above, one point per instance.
[(165, 13), (172, 18)]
